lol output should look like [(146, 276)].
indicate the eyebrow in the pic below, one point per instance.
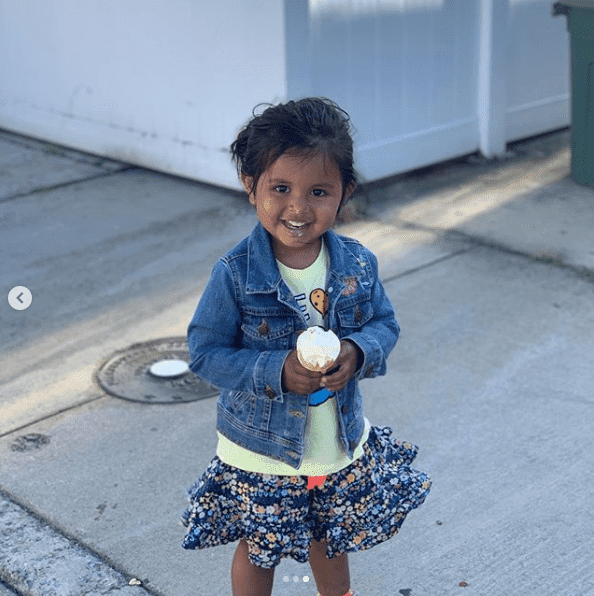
[(279, 181)]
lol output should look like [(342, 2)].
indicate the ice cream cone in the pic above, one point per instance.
[(317, 349)]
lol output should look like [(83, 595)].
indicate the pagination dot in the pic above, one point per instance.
[(286, 578)]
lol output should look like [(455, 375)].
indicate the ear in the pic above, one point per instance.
[(349, 191), (247, 182), (347, 195)]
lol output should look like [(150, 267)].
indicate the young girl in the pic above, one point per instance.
[(299, 471)]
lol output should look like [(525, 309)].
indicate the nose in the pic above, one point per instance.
[(297, 204)]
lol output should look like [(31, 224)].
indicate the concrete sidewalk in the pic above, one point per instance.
[(491, 268)]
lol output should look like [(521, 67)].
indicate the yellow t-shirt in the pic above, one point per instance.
[(324, 452)]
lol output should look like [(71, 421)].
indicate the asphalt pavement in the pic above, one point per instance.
[(490, 264)]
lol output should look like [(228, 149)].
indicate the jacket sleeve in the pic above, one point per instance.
[(214, 336), (376, 338)]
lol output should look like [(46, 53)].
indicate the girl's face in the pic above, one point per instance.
[(297, 200)]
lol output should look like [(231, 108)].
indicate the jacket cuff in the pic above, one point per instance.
[(373, 363), (268, 374)]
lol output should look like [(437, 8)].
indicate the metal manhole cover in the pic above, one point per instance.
[(127, 374)]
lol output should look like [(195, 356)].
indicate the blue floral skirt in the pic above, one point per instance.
[(355, 509)]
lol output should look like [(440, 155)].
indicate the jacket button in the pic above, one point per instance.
[(263, 329), (344, 409), (269, 392), (369, 371), (296, 413), (358, 314)]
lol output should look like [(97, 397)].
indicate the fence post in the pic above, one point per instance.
[(492, 75)]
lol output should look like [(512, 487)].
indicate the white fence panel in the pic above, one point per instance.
[(167, 85), (406, 71), (538, 67), (164, 85)]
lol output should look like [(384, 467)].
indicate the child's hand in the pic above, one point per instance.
[(347, 366), (297, 378)]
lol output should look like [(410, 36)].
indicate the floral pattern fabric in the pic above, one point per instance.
[(355, 509)]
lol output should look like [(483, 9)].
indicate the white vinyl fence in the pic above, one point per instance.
[(167, 85)]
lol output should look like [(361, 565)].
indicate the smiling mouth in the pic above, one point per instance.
[(295, 226)]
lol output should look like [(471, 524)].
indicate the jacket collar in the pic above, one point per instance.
[(263, 275)]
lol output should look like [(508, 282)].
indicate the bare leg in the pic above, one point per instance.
[(331, 575), (248, 579)]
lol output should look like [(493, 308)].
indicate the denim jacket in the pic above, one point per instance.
[(246, 324)]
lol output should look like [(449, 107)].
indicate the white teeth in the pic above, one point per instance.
[(296, 224)]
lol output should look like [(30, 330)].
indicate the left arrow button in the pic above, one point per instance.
[(20, 298)]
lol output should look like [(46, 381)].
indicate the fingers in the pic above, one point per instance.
[(336, 381), (346, 363), (309, 382), (298, 379)]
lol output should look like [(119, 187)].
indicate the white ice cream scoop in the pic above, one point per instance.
[(317, 349)]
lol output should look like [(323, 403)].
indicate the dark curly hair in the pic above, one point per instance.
[(313, 124)]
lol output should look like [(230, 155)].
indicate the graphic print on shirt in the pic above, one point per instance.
[(320, 397), (301, 300), (319, 300)]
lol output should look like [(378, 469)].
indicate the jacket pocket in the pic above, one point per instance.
[(240, 405), (355, 315), (267, 332)]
